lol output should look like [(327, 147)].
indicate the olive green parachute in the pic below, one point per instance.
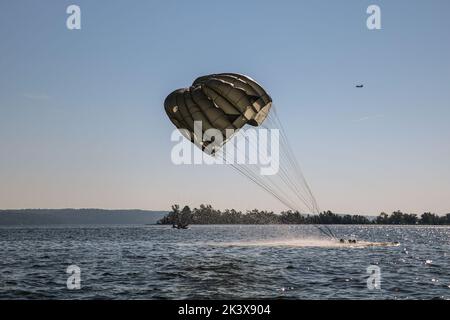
[(218, 101)]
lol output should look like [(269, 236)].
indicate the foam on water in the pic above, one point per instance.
[(305, 243)]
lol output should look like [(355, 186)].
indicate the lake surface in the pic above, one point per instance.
[(223, 262)]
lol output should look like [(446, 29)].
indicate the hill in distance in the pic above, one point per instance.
[(78, 216)]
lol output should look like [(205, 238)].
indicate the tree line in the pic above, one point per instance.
[(206, 214)]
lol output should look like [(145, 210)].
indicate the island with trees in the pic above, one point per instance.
[(206, 214)]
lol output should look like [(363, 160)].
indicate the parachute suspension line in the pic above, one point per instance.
[(289, 167), (289, 183), (282, 181), (294, 164), (296, 169), (237, 168), (291, 157), (327, 233), (288, 178), (288, 186), (254, 178), (278, 182), (331, 232), (252, 173)]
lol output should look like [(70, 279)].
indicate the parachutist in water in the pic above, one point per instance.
[(348, 241)]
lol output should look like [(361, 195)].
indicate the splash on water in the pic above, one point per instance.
[(305, 243)]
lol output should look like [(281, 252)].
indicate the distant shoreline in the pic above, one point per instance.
[(205, 215), (78, 216)]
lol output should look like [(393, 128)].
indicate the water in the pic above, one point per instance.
[(222, 262)]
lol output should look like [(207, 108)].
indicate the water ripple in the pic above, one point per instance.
[(222, 262)]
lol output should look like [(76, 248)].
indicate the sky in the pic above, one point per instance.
[(82, 122)]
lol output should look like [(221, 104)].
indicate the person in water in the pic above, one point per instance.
[(349, 241)]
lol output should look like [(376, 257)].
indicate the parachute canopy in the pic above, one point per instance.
[(219, 101)]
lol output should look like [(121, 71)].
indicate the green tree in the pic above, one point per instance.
[(172, 217), (429, 218), (397, 218), (185, 217), (383, 218), (410, 218)]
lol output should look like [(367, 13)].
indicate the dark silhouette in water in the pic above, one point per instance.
[(348, 241), (180, 226), (178, 219), (360, 86)]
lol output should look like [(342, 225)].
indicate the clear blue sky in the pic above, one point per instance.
[(82, 122)]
